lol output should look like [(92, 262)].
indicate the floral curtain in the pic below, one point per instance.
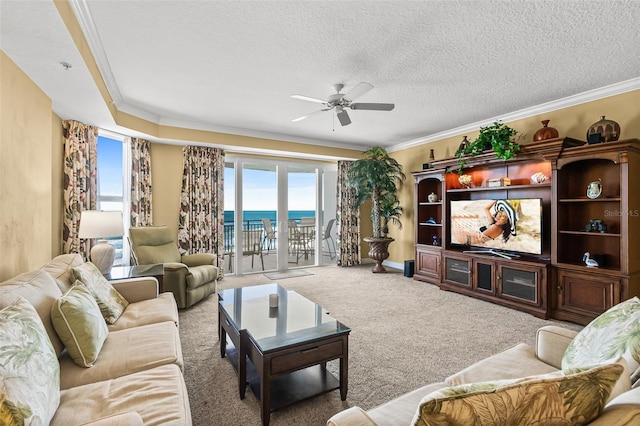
[(348, 220), (140, 210), (80, 191), (201, 223)]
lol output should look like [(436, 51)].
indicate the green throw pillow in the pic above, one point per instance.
[(77, 320), (30, 389), (613, 334), (111, 303), (568, 397)]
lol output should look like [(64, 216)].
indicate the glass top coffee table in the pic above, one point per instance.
[(287, 347)]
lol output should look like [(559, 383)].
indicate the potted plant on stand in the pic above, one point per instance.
[(377, 177)]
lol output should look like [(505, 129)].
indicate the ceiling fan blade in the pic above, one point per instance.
[(358, 91), (343, 117), (307, 115), (309, 98), (373, 107)]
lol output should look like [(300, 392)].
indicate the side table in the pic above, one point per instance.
[(122, 272)]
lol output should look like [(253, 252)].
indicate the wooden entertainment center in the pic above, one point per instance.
[(555, 283)]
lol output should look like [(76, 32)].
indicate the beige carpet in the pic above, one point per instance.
[(405, 334)]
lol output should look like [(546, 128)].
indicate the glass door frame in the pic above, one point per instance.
[(322, 169)]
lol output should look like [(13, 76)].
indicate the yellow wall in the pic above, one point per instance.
[(570, 122), (166, 178), (26, 130)]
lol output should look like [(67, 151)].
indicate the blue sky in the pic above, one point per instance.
[(110, 170), (260, 193)]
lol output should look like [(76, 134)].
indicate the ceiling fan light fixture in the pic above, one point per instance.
[(340, 102)]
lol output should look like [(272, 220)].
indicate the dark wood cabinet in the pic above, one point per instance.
[(556, 282), (513, 283), (581, 293), (429, 213), (428, 264)]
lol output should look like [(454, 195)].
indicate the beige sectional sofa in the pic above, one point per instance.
[(461, 398), (136, 377)]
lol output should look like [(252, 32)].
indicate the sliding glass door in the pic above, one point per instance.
[(274, 216)]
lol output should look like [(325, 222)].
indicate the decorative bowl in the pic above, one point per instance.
[(538, 177)]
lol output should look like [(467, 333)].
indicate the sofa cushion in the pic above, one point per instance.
[(125, 352), (111, 303), (199, 275), (152, 311), (158, 395), (41, 291), (613, 334), (79, 323), (30, 390), (566, 397), (515, 362), (120, 419), (60, 268), (400, 411), (621, 411)]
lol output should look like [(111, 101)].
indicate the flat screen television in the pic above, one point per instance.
[(513, 225)]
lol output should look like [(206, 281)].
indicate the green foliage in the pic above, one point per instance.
[(377, 177), (498, 136)]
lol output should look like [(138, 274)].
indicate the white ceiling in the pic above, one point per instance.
[(231, 66)]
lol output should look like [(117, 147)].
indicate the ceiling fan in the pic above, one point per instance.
[(340, 102)]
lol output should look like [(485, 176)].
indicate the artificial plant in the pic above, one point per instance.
[(378, 177), (498, 137)]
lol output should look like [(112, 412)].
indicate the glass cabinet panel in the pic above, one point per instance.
[(457, 270), (519, 283)]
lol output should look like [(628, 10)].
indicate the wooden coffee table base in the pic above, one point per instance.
[(281, 377)]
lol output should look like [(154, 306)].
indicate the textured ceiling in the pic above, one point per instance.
[(232, 66)]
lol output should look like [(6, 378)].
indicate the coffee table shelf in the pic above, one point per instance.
[(281, 353)]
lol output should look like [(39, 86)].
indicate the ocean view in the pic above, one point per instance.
[(257, 215)]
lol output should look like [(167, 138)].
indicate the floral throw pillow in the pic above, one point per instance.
[(30, 389), (613, 334), (111, 303), (569, 397)]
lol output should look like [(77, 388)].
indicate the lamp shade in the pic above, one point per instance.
[(100, 224)]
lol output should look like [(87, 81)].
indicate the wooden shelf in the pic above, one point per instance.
[(506, 187), (589, 200), (590, 234)]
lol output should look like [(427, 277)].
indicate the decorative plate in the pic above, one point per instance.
[(594, 189)]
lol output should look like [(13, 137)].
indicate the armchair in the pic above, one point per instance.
[(190, 278)]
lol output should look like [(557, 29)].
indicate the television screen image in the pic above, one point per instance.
[(507, 225)]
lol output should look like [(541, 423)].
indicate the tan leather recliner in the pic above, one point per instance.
[(190, 278)]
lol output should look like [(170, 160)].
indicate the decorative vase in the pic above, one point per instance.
[(464, 144), (379, 251), (465, 181), (432, 198), (608, 130), (545, 132)]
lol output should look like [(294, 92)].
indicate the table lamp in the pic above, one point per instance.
[(101, 224)]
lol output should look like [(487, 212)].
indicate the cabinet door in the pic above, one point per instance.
[(586, 295), (484, 277), (428, 263), (457, 271), (520, 283)]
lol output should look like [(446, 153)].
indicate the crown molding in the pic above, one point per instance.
[(569, 101)]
